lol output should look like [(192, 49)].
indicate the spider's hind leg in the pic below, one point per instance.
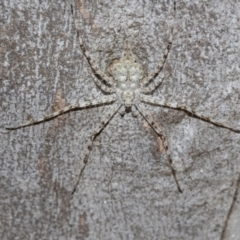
[(134, 111), (174, 105), (122, 111), (160, 133), (104, 121)]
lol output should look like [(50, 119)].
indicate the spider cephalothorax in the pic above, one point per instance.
[(127, 86)]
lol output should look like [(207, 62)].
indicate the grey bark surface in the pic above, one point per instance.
[(127, 190)]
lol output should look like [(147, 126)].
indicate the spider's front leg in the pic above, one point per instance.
[(102, 79), (105, 120), (160, 133), (153, 86), (100, 76), (102, 86), (93, 103), (147, 80), (193, 113)]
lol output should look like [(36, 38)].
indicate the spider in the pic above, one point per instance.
[(128, 90)]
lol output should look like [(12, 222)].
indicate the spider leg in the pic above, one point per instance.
[(101, 77), (93, 65), (134, 111), (122, 111), (193, 113), (160, 133), (103, 87), (154, 85), (159, 67), (93, 136), (91, 103)]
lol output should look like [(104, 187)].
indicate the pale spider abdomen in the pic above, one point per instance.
[(126, 72)]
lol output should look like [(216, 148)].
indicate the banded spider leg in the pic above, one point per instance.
[(97, 102), (105, 120), (147, 85), (154, 101), (162, 136)]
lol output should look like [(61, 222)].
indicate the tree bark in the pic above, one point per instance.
[(127, 190)]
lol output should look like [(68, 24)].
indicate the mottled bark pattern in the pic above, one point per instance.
[(169, 170)]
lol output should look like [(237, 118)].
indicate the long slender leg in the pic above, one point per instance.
[(193, 113), (91, 103), (99, 74), (159, 67), (103, 124), (93, 65), (160, 133), (103, 87), (154, 85)]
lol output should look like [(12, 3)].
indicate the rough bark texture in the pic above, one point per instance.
[(127, 190)]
